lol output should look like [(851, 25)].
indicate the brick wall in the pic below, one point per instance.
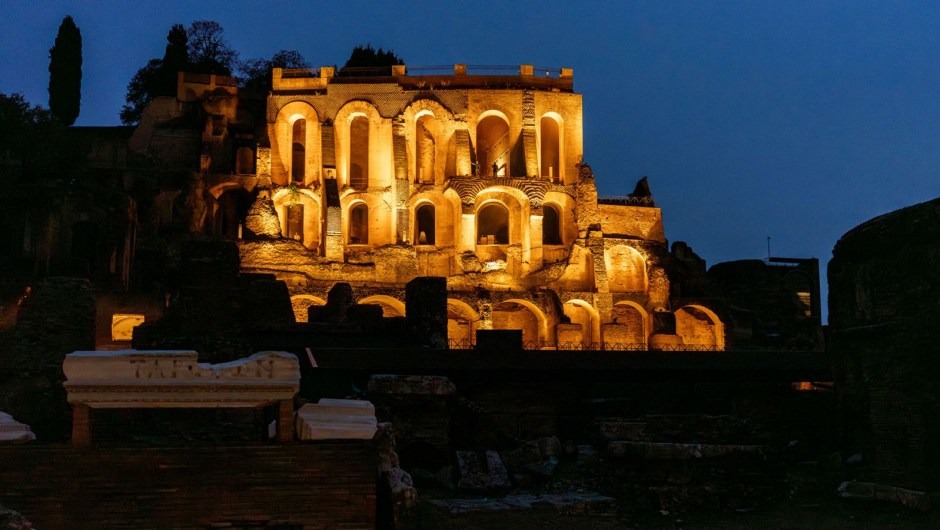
[(309, 486)]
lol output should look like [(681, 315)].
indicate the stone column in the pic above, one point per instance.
[(402, 188), (81, 425), (285, 420)]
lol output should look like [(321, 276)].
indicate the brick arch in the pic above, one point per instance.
[(699, 327), (378, 149), (391, 307), (629, 325), (301, 302), (551, 149), (593, 333), (312, 227), (458, 332), (542, 331), (282, 145), (626, 270)]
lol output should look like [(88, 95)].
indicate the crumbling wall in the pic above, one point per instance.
[(884, 287)]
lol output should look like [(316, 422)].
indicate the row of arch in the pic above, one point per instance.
[(629, 327), (363, 153)]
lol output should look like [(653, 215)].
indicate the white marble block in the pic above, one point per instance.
[(337, 419)]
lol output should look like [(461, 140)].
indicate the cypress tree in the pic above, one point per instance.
[(65, 73)]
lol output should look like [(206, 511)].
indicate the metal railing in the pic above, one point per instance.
[(466, 344)]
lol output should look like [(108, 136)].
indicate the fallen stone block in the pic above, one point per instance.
[(870, 491), (14, 431), (480, 475), (336, 419)]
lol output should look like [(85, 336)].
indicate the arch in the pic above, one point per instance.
[(550, 146), (299, 215), (626, 270), (427, 133), (508, 314), (700, 328), (493, 144), (628, 328), (363, 144), (357, 232), (425, 225), (551, 225), (298, 169), (582, 312), (359, 152), (231, 209), (284, 164), (462, 323), (301, 302), (391, 307), (492, 224)]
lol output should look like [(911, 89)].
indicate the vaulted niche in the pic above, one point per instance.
[(551, 225), (426, 133), (424, 225), (298, 150), (359, 153), (550, 149), (359, 225), (493, 224), (493, 146)]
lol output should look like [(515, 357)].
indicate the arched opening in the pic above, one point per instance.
[(359, 224), (426, 131), (462, 322), (551, 225), (390, 306), (626, 270), (301, 304), (299, 150), (424, 225), (627, 329), (699, 328), (295, 222), (493, 146), (581, 314), (233, 206), (493, 224), (513, 315), (245, 161), (550, 142), (359, 153)]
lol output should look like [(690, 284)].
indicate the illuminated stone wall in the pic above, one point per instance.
[(474, 177)]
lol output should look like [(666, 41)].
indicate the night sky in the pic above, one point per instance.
[(794, 120)]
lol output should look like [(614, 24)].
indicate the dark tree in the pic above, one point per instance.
[(366, 60), (256, 73), (175, 59), (158, 77), (65, 73), (209, 53), (140, 92)]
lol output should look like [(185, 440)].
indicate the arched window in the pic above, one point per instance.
[(359, 225), (550, 149), (426, 130), (359, 153), (299, 151), (244, 161), (424, 225), (493, 146), (551, 225), (493, 224)]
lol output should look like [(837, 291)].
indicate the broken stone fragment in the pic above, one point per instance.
[(14, 431)]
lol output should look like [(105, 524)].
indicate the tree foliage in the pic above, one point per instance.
[(37, 143), (256, 73), (158, 77), (368, 59), (65, 73), (209, 52)]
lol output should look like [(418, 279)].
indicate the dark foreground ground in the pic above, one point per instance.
[(810, 502)]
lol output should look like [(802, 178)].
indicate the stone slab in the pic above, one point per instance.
[(336, 419), (14, 431)]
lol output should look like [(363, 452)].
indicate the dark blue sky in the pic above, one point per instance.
[(794, 120)]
